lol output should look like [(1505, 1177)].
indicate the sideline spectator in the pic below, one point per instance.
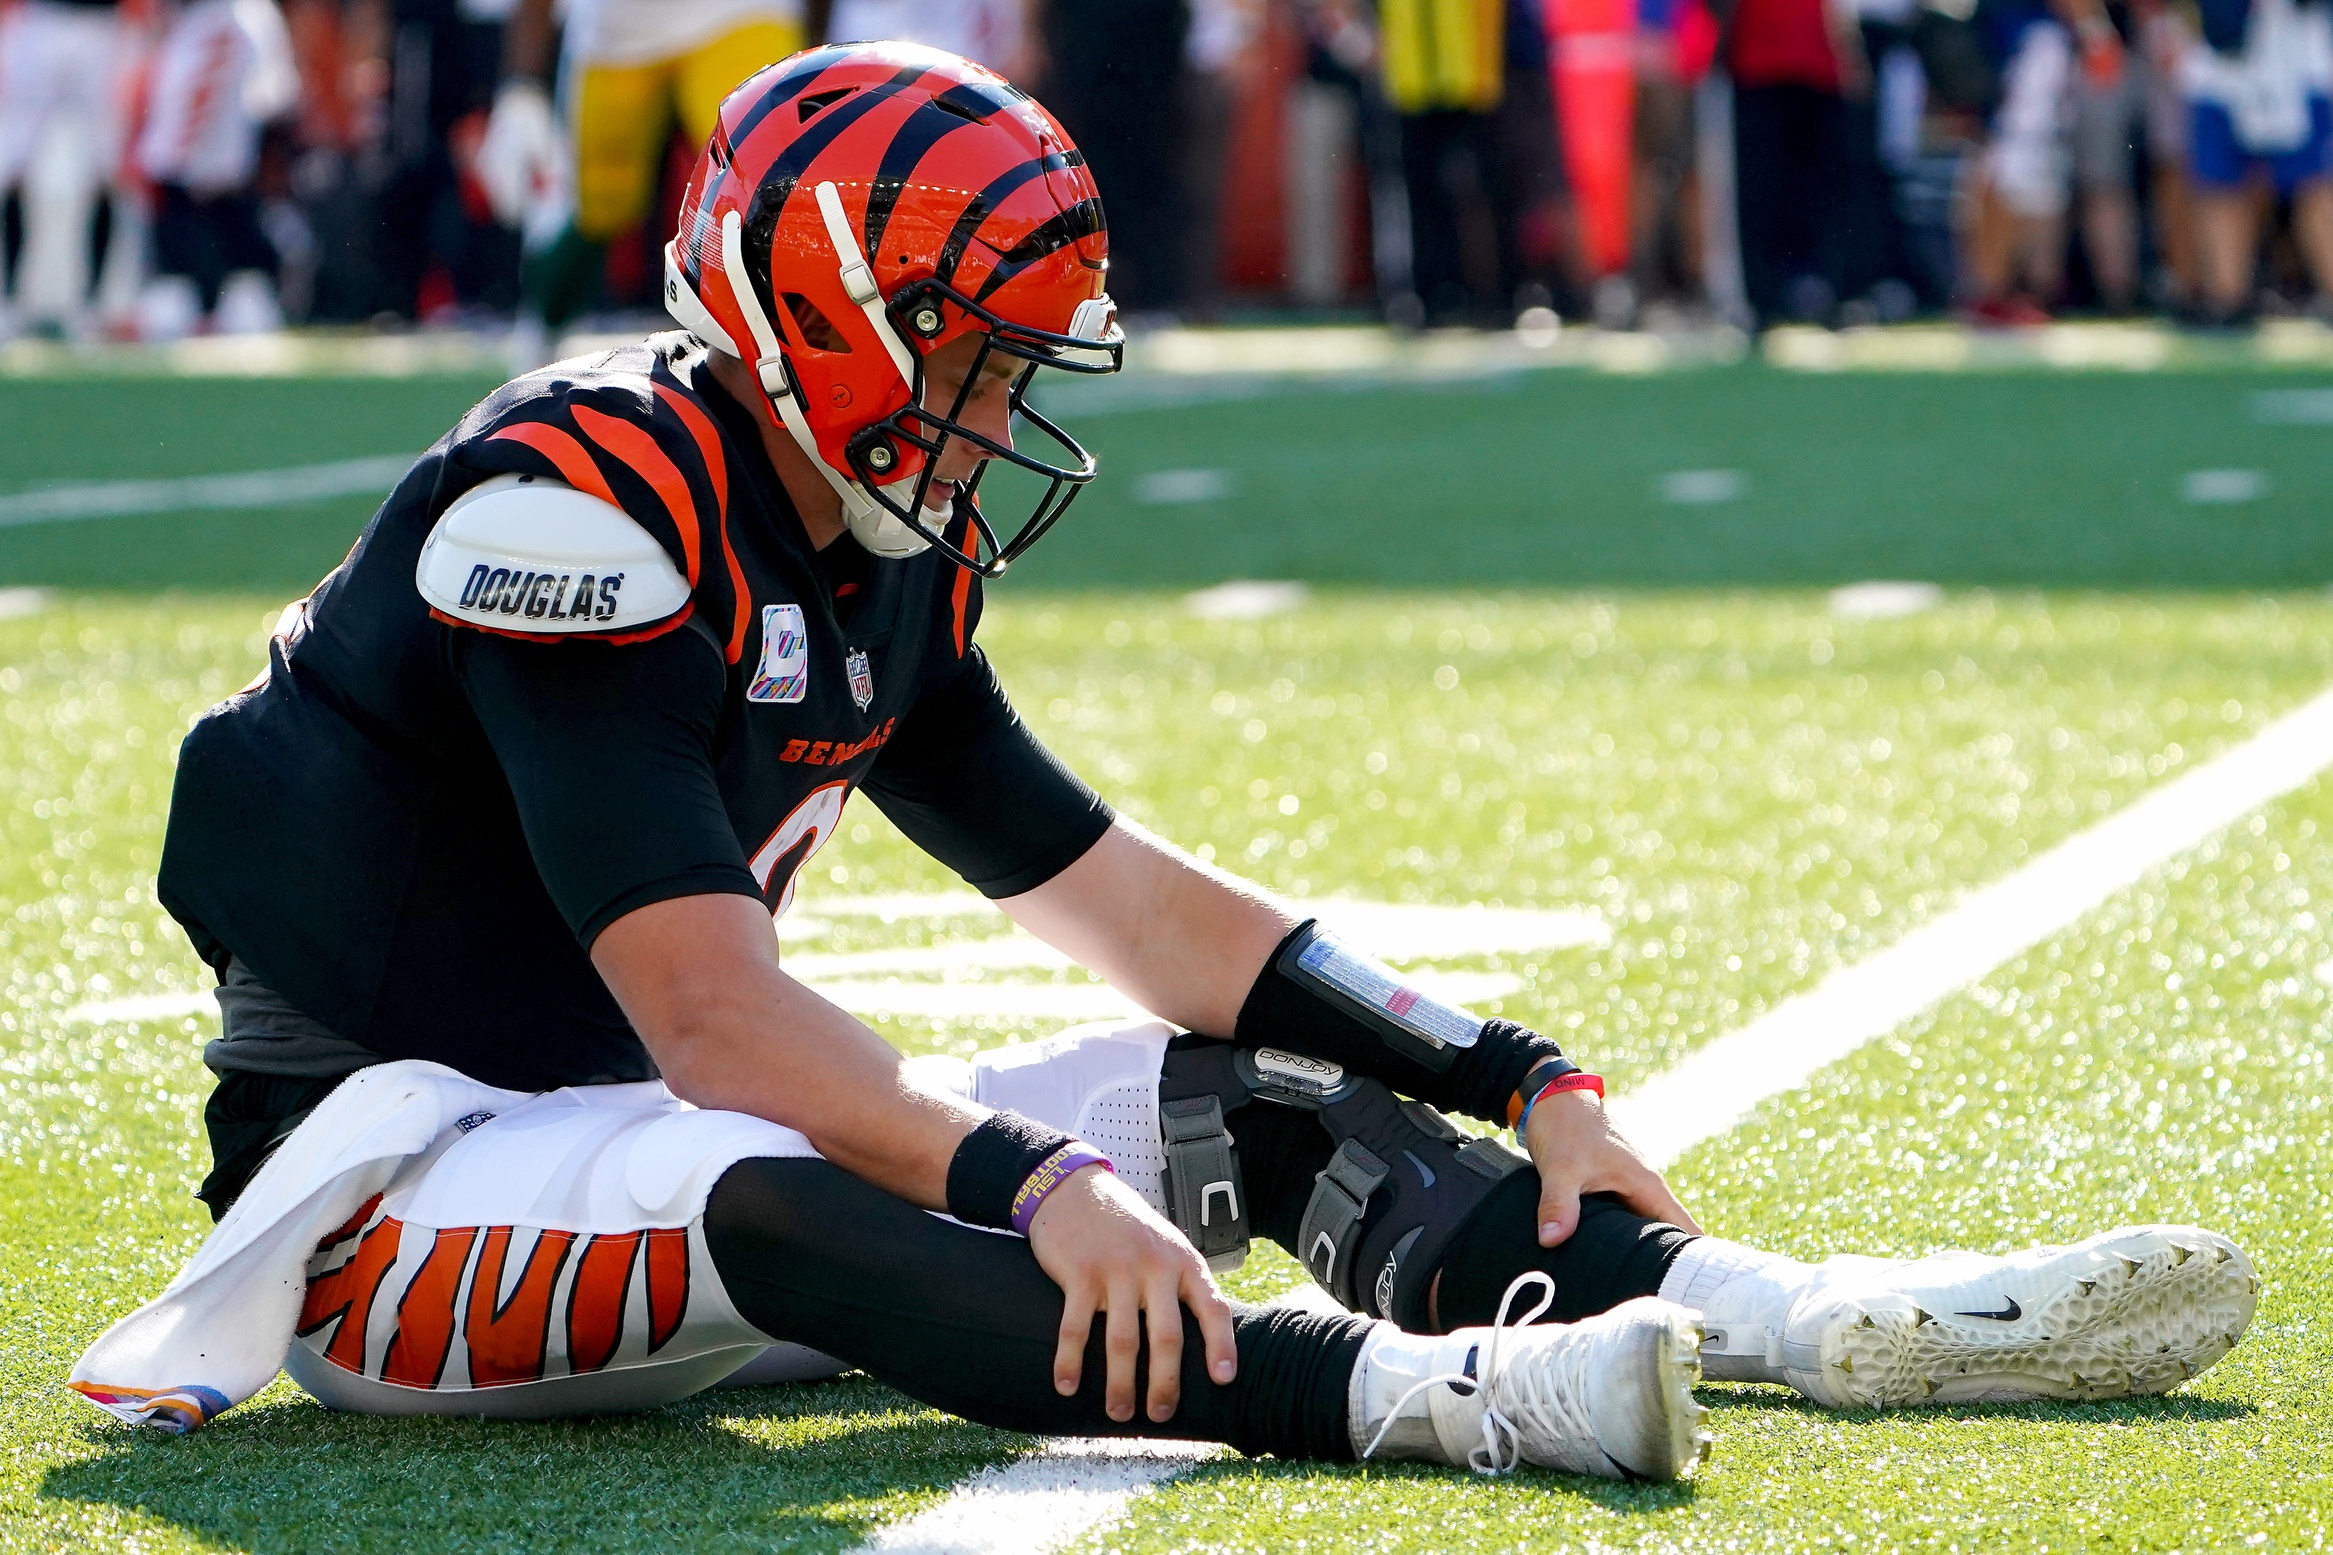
[(224, 70), (988, 32), (1793, 64), (632, 71), (1676, 44), (1528, 180), (2017, 240), (327, 232), (2262, 95), (2165, 36), (1221, 51), (1444, 71), (435, 242), (1114, 74), (1882, 277), (2109, 119), (64, 84), (1341, 54)]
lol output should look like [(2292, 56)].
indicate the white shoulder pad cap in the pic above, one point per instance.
[(521, 553)]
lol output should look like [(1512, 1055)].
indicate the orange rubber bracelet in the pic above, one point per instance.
[(1526, 1093)]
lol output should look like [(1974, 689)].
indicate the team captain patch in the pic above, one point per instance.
[(520, 553), (784, 673)]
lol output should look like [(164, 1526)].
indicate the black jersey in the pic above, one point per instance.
[(411, 826)]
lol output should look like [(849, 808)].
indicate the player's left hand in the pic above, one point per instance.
[(1578, 1151), (1117, 1259)]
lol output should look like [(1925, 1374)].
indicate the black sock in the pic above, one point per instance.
[(965, 1319)]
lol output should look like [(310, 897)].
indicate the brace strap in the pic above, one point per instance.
[(1203, 1181), (1331, 1229), (1401, 1178)]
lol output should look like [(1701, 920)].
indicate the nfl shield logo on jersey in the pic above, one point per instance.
[(862, 677), (784, 675)]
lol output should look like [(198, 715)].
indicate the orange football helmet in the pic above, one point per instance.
[(861, 205)]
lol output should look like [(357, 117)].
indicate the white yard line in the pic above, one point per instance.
[(248, 489), (145, 1006), (1722, 1083), (1011, 998), (1015, 1507), (1069, 1488), (1039, 1503)]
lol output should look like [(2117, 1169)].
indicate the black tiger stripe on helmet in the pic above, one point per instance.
[(986, 203), (925, 128), (1082, 220), (731, 145), (785, 174), (926, 157), (968, 103), (794, 78)]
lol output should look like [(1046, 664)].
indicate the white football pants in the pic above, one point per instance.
[(538, 1265), (63, 88)]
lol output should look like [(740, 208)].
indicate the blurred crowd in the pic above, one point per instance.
[(170, 167)]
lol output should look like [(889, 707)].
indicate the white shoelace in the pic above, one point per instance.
[(1538, 1396)]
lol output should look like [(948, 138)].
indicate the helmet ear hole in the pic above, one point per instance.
[(818, 331)]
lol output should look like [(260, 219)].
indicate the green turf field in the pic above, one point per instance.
[(1550, 479), (1748, 790)]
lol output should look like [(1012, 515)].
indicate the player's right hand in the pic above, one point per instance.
[(1113, 1255), (1577, 1150)]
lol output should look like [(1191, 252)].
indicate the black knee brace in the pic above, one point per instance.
[(1400, 1182)]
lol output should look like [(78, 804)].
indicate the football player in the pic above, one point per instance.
[(65, 72), (632, 71), (491, 849)]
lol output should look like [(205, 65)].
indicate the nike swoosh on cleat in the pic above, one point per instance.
[(2008, 1314)]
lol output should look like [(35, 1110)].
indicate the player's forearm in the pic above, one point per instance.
[(1180, 939), (798, 1060), (526, 42), (699, 979)]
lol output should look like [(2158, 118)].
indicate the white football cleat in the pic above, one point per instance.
[(2134, 1311), (1610, 1396)]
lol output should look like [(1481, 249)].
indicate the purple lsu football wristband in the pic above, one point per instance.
[(1050, 1174)]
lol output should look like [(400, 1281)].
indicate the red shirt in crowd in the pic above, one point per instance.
[(1783, 43)]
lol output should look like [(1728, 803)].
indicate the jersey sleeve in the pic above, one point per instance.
[(608, 752), (968, 783)]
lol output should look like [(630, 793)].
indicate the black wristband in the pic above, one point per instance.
[(989, 1167), (1542, 1071), (1553, 1067), (1285, 1012), (1494, 1067)]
